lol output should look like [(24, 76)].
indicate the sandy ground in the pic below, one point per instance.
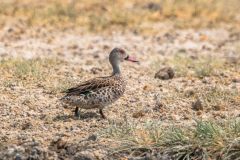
[(33, 112)]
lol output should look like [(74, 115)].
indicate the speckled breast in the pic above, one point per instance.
[(103, 96)]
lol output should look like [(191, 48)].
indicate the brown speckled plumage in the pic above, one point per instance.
[(102, 91)]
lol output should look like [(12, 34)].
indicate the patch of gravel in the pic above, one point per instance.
[(35, 112), (28, 150)]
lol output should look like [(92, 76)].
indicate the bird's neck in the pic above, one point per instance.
[(116, 68)]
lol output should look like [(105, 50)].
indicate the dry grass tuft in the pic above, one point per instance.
[(33, 73), (212, 97), (200, 67), (203, 140)]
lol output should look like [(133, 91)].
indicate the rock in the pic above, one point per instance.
[(18, 157), (197, 105), (138, 114), (27, 125), (189, 92), (73, 46), (206, 80), (153, 6), (58, 143), (158, 106), (96, 70), (71, 150), (92, 137), (199, 113), (106, 46), (158, 103), (85, 155), (165, 73), (218, 107), (175, 117), (95, 56), (232, 59), (147, 88), (88, 62), (219, 114), (28, 150), (236, 80)]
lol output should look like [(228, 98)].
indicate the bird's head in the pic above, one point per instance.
[(119, 55)]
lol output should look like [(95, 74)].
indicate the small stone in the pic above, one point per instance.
[(186, 115), (88, 62), (58, 142), (175, 117), (11, 151), (153, 6), (158, 105), (147, 88), (197, 105), (10, 29), (236, 80), (72, 149), (73, 46), (205, 81), (63, 151), (199, 113), (165, 73), (92, 137), (85, 155), (138, 114), (96, 70), (223, 75), (218, 107), (26, 125), (189, 92), (203, 37), (18, 157), (105, 46), (95, 56), (218, 114), (233, 59)]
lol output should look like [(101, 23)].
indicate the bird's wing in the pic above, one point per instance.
[(90, 85)]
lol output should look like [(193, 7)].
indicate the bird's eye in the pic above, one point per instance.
[(121, 51)]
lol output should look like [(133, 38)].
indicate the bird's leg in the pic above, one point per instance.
[(101, 112), (76, 112)]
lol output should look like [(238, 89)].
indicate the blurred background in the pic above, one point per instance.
[(132, 15)]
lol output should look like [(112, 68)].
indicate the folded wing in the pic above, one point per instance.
[(90, 85)]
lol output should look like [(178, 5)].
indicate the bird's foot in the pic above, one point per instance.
[(78, 116), (102, 115), (77, 113)]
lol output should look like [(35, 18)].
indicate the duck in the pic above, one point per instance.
[(100, 92)]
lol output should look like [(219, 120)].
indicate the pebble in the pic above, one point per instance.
[(236, 80), (165, 73), (197, 105), (218, 107), (85, 155), (153, 6), (92, 137), (138, 114), (96, 70)]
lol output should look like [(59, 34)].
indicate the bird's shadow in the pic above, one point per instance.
[(83, 115)]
